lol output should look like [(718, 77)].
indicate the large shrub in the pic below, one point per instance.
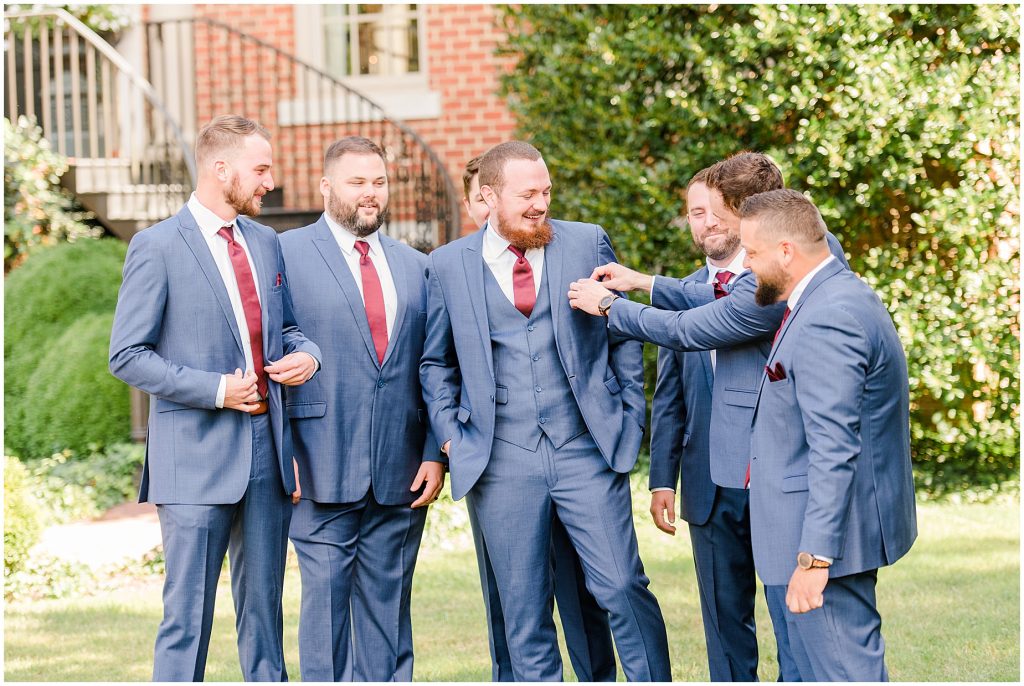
[(901, 122), (37, 211), (74, 401), (42, 298), (22, 523)]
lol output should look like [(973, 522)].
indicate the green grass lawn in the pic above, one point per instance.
[(950, 610)]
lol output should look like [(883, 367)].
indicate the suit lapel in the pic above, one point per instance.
[(193, 238), (827, 272), (399, 274), (553, 272), (335, 261), (474, 266)]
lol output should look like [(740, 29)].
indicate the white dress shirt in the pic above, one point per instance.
[(501, 260), (347, 242), (209, 224)]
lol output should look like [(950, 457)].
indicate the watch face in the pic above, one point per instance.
[(804, 560)]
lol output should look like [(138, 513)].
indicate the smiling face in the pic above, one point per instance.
[(248, 176), (720, 238), (519, 208), (355, 192)]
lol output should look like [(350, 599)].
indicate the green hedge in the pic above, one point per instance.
[(42, 298), (74, 401), (22, 521), (901, 122)]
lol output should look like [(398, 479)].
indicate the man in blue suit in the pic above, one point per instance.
[(366, 464), (204, 297), (715, 455), (832, 493), (588, 637), (539, 410)]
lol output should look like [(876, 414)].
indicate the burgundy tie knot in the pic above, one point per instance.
[(227, 233), (721, 278), (517, 252), (364, 248)]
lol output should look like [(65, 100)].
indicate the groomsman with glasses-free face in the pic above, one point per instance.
[(204, 325), (367, 464)]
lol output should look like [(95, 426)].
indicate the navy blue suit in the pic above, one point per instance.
[(361, 434), (545, 414), (221, 479)]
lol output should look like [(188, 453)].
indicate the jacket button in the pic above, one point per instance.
[(381, 384)]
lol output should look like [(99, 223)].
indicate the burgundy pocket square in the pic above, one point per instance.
[(776, 373)]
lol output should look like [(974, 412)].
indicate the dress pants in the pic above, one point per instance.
[(842, 640), (585, 626), (254, 532), (724, 561), (357, 562), (514, 500)]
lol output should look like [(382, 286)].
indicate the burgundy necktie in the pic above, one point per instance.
[(523, 290), (373, 300), (721, 278), (250, 305), (785, 316)]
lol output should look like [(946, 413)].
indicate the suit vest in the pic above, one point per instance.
[(532, 395)]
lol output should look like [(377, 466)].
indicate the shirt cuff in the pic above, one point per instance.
[(221, 389), (662, 488), (653, 281), (823, 558)]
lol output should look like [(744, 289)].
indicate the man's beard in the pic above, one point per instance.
[(771, 284), (347, 216), (524, 237), (240, 201), (724, 251)]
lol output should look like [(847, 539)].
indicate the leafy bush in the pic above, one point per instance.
[(73, 401), (901, 122), (37, 211), (22, 523), (42, 298), (73, 487)]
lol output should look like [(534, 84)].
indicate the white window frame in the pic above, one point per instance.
[(401, 96)]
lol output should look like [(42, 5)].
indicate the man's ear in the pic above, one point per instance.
[(489, 196), (325, 187), (788, 252), (220, 170)]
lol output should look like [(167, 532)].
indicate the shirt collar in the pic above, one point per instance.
[(802, 285), (347, 240), (209, 223), (735, 265), (495, 246)]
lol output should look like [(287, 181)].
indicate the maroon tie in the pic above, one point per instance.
[(373, 300), (721, 278), (250, 305), (785, 316), (522, 283)]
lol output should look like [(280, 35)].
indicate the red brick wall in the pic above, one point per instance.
[(460, 41)]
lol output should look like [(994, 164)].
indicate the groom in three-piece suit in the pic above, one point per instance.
[(204, 297), (367, 466), (539, 409)]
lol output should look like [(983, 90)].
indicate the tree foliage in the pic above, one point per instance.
[(900, 122)]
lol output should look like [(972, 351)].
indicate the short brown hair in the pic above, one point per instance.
[(471, 170), (743, 175), (492, 163), (785, 214), (357, 145), (225, 131)]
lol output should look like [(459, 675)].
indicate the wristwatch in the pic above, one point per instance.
[(606, 304), (808, 561)]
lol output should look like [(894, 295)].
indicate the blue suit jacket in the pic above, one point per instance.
[(457, 372), (174, 335), (748, 330), (357, 422), (680, 427), (831, 470)]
